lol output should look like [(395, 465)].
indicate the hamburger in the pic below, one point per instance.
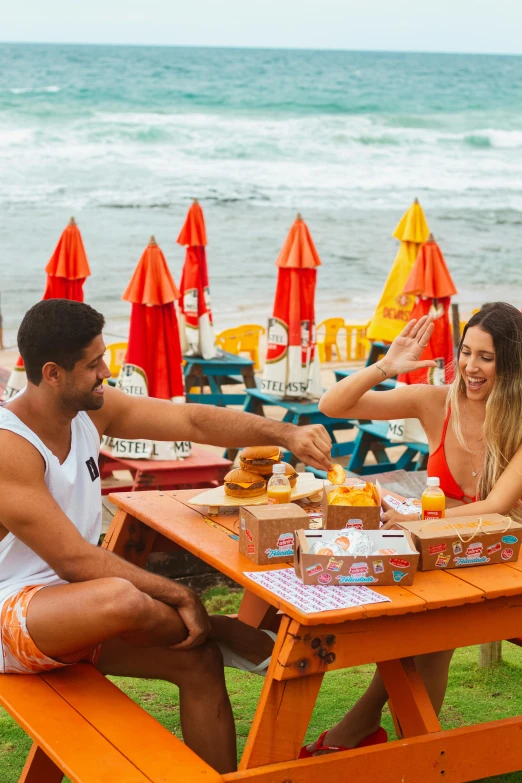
[(290, 473), (260, 459), (244, 484)]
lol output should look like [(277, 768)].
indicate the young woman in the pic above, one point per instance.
[(474, 430)]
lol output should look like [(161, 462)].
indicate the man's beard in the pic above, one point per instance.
[(76, 400)]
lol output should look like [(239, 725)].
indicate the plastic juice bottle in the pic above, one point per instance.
[(279, 489), (433, 500)]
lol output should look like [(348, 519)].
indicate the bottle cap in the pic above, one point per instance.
[(433, 481), (278, 469)]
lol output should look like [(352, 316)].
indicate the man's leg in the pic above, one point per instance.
[(207, 722), (66, 622)]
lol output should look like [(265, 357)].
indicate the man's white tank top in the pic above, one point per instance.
[(74, 485)]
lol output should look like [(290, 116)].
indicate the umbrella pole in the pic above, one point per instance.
[(455, 320)]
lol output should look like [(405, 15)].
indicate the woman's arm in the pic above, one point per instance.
[(352, 398)]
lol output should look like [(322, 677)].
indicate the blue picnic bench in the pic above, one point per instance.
[(226, 369)]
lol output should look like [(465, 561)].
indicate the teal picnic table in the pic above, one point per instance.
[(298, 412), (223, 370)]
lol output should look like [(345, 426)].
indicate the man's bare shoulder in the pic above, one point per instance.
[(22, 466)]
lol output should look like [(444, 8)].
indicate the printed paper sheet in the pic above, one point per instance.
[(313, 598)]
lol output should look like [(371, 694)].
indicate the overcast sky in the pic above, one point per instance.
[(492, 26)]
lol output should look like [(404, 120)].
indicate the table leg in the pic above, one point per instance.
[(39, 768), (411, 703), (283, 713), (249, 378), (129, 538), (255, 611)]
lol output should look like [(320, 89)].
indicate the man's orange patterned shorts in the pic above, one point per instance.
[(21, 655)]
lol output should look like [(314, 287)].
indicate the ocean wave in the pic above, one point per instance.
[(27, 90)]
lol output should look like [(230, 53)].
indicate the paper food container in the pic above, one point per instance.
[(339, 517), (266, 533), (465, 541), (398, 566)]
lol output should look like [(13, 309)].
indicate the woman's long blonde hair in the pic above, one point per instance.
[(503, 422)]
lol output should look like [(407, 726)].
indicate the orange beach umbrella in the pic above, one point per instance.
[(152, 366), (66, 270), (197, 331), (292, 365), (430, 281)]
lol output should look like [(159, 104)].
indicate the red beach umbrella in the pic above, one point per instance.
[(154, 346), (431, 282), (152, 366), (66, 270), (197, 331), (292, 365)]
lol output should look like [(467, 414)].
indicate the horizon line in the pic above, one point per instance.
[(260, 48)]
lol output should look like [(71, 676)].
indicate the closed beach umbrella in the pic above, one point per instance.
[(66, 273), (430, 281), (292, 365), (197, 331), (395, 306), (152, 366)]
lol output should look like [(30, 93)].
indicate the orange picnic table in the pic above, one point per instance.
[(201, 469), (441, 610)]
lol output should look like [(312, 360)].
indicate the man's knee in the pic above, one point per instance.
[(205, 663), (123, 604)]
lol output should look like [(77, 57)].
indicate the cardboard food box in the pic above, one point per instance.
[(266, 533), (398, 566), (465, 541), (339, 517)]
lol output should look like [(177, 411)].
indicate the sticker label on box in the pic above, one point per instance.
[(324, 578), (494, 548), (398, 575), (354, 523), (334, 565), (349, 580), (474, 550), (509, 539), (378, 566), (243, 522), (457, 548), (399, 562), (359, 569), (460, 561), (248, 534), (442, 561), (251, 549), (506, 554), (315, 569), (434, 550), (279, 552)]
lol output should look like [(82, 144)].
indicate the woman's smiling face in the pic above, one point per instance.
[(477, 363)]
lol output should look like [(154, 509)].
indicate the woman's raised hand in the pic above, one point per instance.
[(404, 352)]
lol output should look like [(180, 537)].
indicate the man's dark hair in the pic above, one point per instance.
[(56, 330)]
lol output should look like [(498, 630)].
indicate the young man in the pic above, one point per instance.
[(62, 598)]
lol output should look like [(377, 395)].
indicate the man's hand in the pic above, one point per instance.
[(312, 445), (196, 620)]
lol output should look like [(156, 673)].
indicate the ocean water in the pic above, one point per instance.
[(124, 137)]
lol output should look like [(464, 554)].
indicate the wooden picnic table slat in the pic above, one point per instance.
[(113, 714), (76, 746), (496, 580)]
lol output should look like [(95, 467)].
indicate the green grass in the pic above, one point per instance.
[(474, 695)]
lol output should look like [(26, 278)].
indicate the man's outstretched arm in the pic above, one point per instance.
[(125, 416)]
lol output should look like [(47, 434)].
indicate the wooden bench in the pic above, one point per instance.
[(84, 727), (372, 436)]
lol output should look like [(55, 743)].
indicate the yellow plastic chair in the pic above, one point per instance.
[(330, 327), (115, 356), (242, 339), (357, 345)]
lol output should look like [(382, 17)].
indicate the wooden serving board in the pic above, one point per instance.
[(307, 485)]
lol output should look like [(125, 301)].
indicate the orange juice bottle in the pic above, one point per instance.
[(433, 500), (279, 489)]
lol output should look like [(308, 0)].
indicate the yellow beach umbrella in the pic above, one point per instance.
[(394, 308)]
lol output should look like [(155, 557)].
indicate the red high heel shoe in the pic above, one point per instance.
[(375, 738)]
